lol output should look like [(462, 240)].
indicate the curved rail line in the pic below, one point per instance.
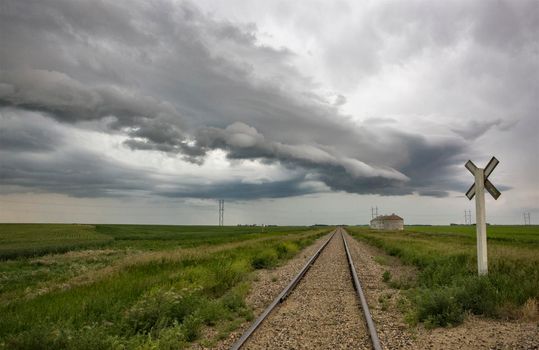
[(294, 282)]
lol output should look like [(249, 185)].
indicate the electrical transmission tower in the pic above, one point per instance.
[(527, 219), (374, 212), (467, 217), (221, 211)]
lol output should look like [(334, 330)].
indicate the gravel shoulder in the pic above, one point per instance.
[(394, 333)]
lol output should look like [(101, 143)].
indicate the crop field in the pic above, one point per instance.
[(447, 286), (35, 239), (128, 286)]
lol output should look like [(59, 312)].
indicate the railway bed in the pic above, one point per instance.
[(322, 307)]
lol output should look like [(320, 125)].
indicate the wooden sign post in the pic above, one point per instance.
[(478, 190)]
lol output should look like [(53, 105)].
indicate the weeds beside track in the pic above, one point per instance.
[(139, 298), (448, 287)]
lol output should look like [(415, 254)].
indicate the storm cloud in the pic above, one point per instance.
[(168, 78)]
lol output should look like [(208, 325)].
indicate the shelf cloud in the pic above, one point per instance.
[(168, 79)]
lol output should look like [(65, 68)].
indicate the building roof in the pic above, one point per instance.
[(388, 217)]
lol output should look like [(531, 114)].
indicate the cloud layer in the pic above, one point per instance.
[(166, 78)]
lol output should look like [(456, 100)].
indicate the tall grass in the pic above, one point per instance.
[(448, 286), (156, 303)]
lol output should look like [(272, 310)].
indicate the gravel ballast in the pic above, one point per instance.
[(321, 313), (266, 285)]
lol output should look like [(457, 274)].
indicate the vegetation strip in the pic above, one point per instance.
[(165, 300), (129, 261), (281, 297), (364, 305), (447, 287)]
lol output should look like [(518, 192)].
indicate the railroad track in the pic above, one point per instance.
[(355, 325)]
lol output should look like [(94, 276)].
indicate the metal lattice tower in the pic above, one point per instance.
[(221, 212), (527, 219), (374, 212), (467, 217)]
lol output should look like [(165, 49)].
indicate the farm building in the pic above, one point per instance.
[(388, 222)]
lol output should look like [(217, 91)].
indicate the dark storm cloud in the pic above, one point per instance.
[(85, 174), (77, 173), (175, 80), (16, 135), (240, 190), (70, 101), (433, 193), (39, 159)]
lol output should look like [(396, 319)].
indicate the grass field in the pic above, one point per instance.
[(131, 287), (35, 239), (448, 286), (17, 240)]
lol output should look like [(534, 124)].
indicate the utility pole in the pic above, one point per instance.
[(467, 217), (374, 212), (527, 219), (221, 212), (478, 190)]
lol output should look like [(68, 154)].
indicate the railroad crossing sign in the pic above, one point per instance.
[(478, 190), (488, 185)]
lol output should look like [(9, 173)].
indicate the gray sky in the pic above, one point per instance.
[(293, 112)]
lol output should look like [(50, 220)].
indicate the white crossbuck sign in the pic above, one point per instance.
[(488, 185), (478, 190)]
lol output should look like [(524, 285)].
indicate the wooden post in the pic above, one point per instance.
[(480, 222), (478, 188)]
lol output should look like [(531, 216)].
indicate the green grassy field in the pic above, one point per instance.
[(35, 239), (448, 287), (17, 240), (515, 234), (132, 287)]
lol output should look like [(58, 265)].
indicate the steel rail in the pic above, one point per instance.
[(370, 323), (281, 297)]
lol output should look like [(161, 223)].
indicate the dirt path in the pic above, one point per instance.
[(321, 313)]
